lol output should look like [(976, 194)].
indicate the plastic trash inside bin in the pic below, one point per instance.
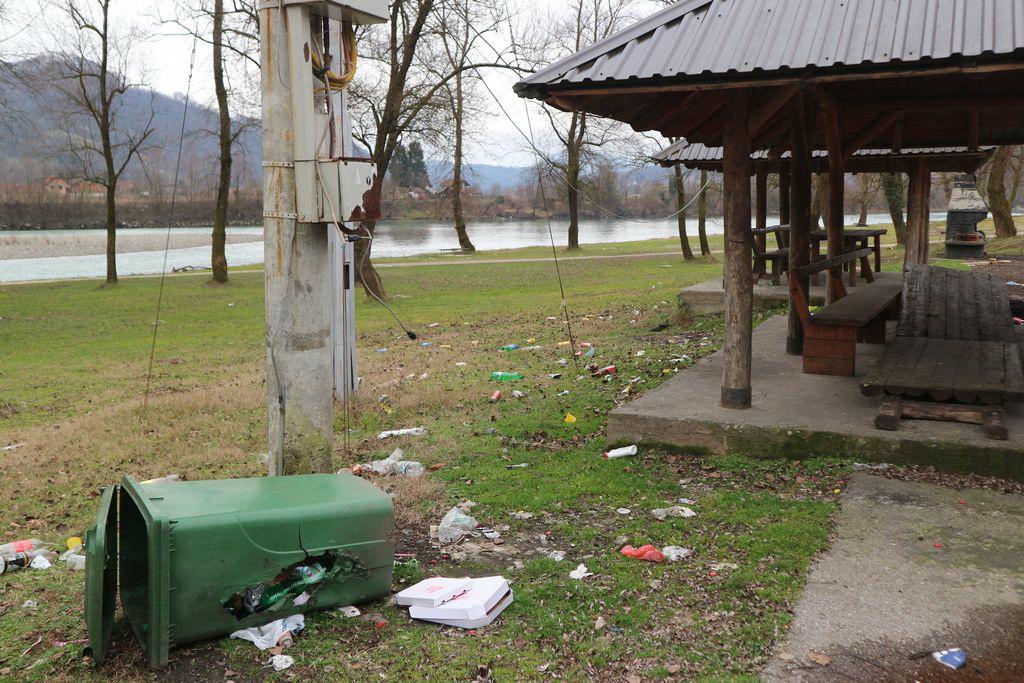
[(201, 559)]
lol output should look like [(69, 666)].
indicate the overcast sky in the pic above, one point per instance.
[(166, 58)]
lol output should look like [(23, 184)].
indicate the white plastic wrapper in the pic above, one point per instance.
[(266, 636), (455, 525)]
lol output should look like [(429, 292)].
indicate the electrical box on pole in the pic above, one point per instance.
[(317, 188)]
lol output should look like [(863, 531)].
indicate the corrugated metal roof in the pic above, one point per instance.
[(687, 152), (699, 38)]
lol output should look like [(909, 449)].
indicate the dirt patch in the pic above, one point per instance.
[(1009, 268), (956, 481)]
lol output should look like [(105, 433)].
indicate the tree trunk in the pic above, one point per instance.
[(457, 213), (573, 176), (218, 259), (997, 201), (892, 187), (702, 215), (865, 187), (684, 240), (366, 275), (817, 200), (111, 234)]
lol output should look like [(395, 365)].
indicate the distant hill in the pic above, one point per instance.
[(31, 130), (505, 178)]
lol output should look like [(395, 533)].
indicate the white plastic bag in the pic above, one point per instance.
[(455, 525), (266, 636)]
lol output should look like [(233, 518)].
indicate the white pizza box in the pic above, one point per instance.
[(480, 622), (475, 603), (433, 591)]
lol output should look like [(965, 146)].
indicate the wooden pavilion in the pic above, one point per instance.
[(797, 76)]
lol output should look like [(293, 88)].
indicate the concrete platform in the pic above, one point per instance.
[(913, 568), (709, 297), (796, 415)]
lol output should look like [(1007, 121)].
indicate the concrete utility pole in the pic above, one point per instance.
[(306, 195)]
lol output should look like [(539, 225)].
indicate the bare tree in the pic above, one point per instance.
[(403, 96), (679, 185), (93, 79), (702, 215), (998, 202), (892, 188), (580, 135)]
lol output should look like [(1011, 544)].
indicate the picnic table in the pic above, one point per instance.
[(779, 258), (956, 345), (853, 239)]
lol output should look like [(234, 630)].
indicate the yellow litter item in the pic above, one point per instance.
[(74, 543), (570, 418)]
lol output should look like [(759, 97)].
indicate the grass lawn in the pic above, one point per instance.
[(72, 377)]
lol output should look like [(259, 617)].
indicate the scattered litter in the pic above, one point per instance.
[(954, 658), (563, 361), (520, 466), (476, 607), (455, 525), (301, 599), (506, 376), (609, 370), (720, 566), (551, 318), (556, 555), (683, 360), (166, 479), (509, 347), (647, 553), (518, 394), (40, 562), (570, 418), (661, 514), (590, 352), (580, 572), (349, 611), (523, 515), (674, 553), (12, 447), (411, 431), (871, 467), (1014, 284), (434, 325), (30, 604), (281, 662), (555, 375), (385, 404), (641, 353), (623, 452), (624, 511), (686, 501), (393, 464), (495, 397), (273, 634), (564, 392), (426, 344), (461, 364), (383, 350), (432, 592)]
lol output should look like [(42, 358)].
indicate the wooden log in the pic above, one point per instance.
[(889, 414), (739, 294), (991, 418), (800, 212)]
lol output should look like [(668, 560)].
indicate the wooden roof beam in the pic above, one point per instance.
[(668, 116), (973, 124), (872, 130)]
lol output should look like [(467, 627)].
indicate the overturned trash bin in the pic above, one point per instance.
[(201, 559)]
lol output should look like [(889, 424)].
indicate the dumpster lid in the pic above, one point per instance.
[(101, 575)]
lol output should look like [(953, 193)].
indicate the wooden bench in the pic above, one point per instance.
[(779, 258), (831, 334), (956, 343)]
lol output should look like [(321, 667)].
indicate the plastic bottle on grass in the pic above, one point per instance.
[(506, 376)]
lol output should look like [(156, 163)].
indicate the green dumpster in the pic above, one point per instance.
[(200, 559)]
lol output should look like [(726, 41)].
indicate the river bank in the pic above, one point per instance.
[(49, 243)]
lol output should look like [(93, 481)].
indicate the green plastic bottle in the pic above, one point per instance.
[(506, 376)]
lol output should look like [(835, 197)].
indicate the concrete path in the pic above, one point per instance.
[(885, 592)]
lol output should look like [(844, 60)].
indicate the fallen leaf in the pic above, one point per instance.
[(819, 658), (599, 624)]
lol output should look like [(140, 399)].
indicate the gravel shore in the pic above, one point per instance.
[(24, 245)]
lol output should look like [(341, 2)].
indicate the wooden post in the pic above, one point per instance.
[(761, 212), (835, 214), (800, 211), (297, 272), (917, 214), (784, 200), (739, 294)]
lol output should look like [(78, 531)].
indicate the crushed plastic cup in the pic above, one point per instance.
[(623, 452)]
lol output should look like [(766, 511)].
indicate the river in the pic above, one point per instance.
[(393, 238)]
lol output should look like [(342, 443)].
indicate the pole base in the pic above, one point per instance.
[(735, 398)]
